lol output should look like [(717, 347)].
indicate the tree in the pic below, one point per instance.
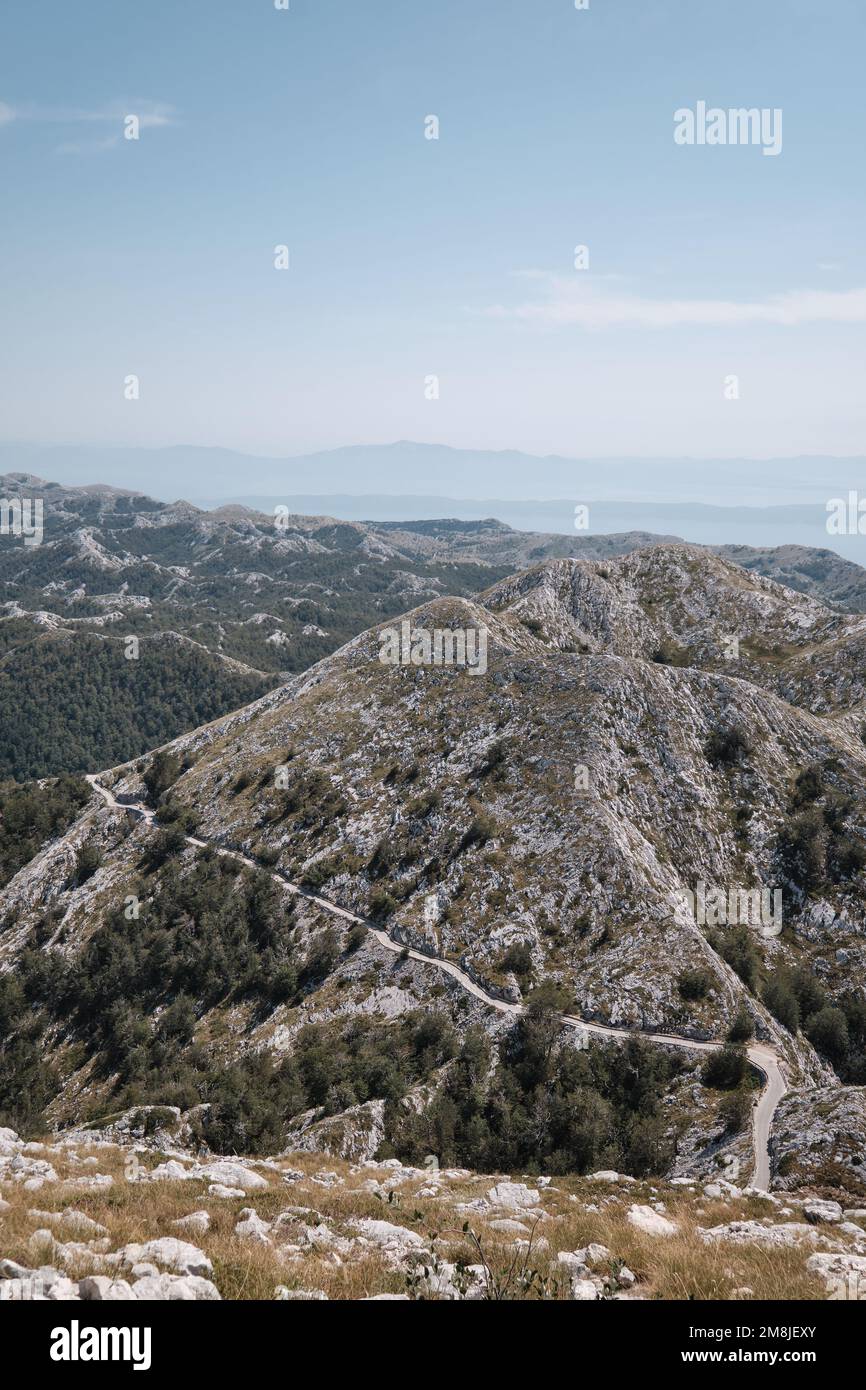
[(162, 773), (742, 1028), (725, 1068), (782, 1002), (828, 1031)]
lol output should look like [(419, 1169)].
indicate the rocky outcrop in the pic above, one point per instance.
[(819, 1140)]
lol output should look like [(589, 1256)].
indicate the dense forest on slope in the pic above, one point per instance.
[(76, 702), (30, 815)]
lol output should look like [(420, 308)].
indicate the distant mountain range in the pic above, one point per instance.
[(226, 603), (759, 501)]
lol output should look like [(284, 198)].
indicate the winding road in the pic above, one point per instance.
[(763, 1057)]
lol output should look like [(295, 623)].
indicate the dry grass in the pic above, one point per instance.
[(677, 1267)]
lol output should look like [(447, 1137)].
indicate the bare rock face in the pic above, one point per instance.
[(772, 1237), (819, 1140), (355, 1133)]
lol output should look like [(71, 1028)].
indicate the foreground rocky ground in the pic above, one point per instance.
[(84, 1218)]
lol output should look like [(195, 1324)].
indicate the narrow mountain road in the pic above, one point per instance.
[(763, 1056)]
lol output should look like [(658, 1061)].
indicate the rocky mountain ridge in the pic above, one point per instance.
[(542, 819)]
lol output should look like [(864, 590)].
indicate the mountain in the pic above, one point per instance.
[(409, 467), (223, 604), (537, 826)]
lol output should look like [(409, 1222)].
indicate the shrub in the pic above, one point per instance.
[(162, 773), (668, 654), (356, 938), (481, 829), (802, 848), (828, 1031), (726, 747), (381, 903), (742, 1028), (87, 861), (695, 984), (735, 1110), (517, 960), (725, 1068), (738, 948), (782, 1002)]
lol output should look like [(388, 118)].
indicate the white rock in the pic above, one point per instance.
[(198, 1221), (218, 1189), (252, 1227), (583, 1291), (842, 1273), (644, 1219), (387, 1235), (170, 1253), (75, 1220), (172, 1171), (98, 1288), (231, 1175), (515, 1196), (284, 1295), (63, 1291), (172, 1288), (790, 1233), (820, 1213)]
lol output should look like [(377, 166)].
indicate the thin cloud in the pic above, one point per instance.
[(589, 305), (151, 115)]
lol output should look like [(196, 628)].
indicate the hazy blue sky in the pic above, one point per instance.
[(412, 257)]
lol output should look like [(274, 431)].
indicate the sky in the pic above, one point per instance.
[(412, 258)]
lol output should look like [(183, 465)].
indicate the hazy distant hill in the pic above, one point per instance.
[(225, 603)]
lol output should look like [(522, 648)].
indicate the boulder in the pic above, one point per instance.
[(169, 1253), (98, 1288), (644, 1219), (285, 1295), (819, 1212), (383, 1233), (176, 1287), (514, 1196), (583, 1291), (198, 1221), (252, 1227)]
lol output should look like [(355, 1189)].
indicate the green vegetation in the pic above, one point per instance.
[(835, 1027), (726, 747), (536, 1103), (74, 702), (32, 814), (725, 1069), (815, 846), (695, 984)]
